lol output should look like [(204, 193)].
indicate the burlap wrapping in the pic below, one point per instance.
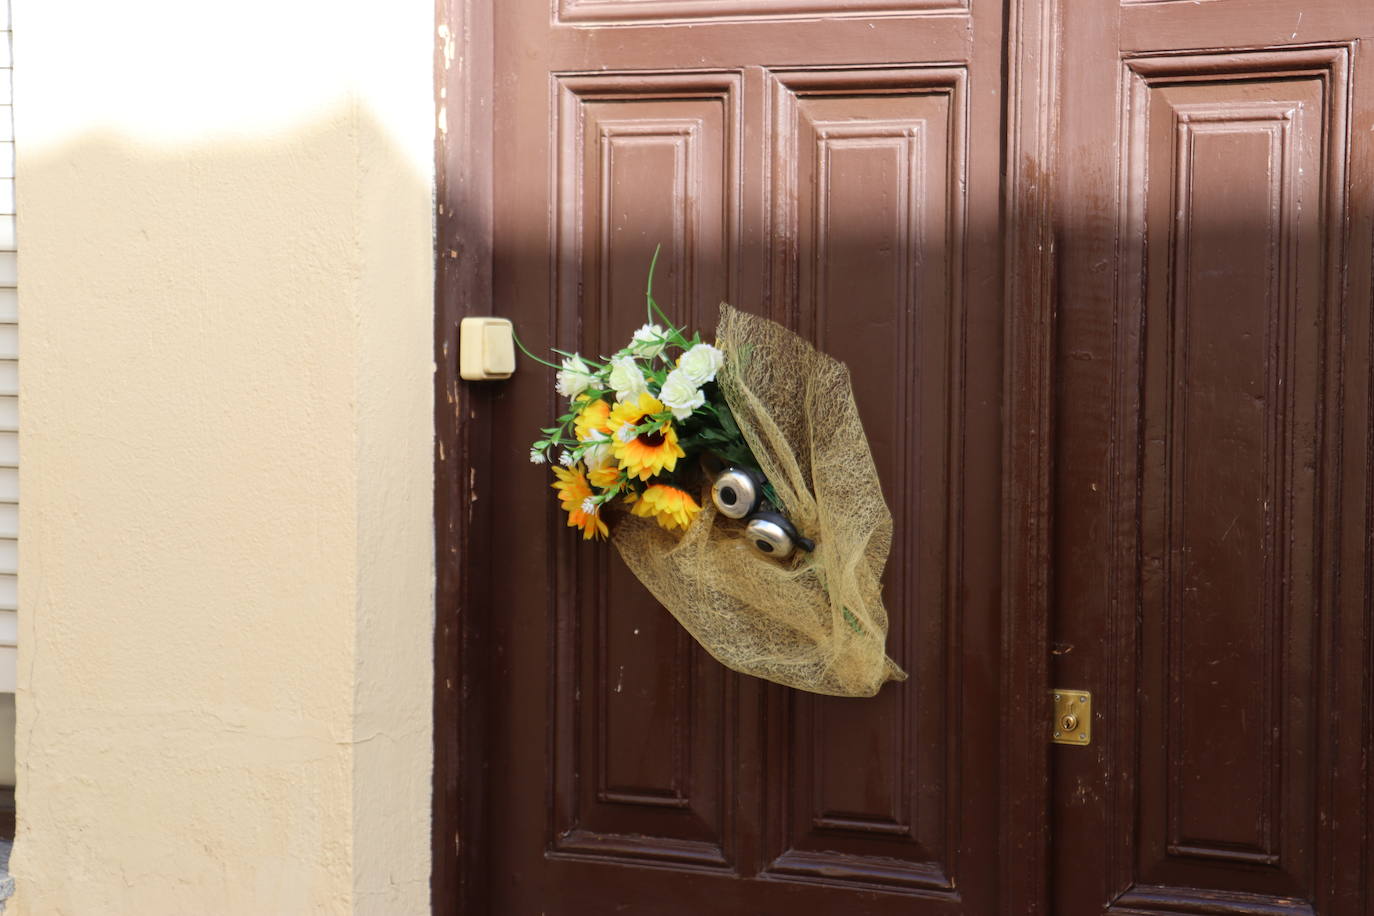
[(815, 622)]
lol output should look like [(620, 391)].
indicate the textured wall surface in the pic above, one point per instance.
[(226, 583)]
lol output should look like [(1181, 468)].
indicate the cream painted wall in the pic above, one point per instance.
[(226, 583)]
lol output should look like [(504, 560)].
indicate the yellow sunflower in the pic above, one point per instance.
[(573, 493), (646, 454), (672, 508), (593, 418), (604, 477)]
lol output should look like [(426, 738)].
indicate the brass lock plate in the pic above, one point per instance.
[(1073, 716)]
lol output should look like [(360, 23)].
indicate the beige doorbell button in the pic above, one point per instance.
[(486, 349)]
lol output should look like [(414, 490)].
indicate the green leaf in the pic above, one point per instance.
[(727, 423)]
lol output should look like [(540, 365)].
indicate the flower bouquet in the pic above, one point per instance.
[(735, 480), (635, 423)]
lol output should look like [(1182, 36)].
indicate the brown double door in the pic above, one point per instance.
[(1166, 504)]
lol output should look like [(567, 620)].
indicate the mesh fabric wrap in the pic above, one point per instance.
[(783, 621)]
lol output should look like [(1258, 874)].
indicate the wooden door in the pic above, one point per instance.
[(1102, 274), (1212, 512), (835, 164)]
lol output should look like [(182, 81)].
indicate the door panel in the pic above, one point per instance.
[(1230, 178), (642, 755), (867, 178), (1203, 508)]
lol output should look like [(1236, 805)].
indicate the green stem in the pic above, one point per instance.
[(676, 337), (589, 362), (649, 289), (545, 362)]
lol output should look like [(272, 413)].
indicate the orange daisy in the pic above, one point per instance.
[(645, 454), (573, 493), (672, 508)]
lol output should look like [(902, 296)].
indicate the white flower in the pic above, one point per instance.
[(627, 378), (648, 341), (701, 363), (625, 433), (597, 455), (681, 394), (575, 378), (566, 459), (589, 506), (537, 456)]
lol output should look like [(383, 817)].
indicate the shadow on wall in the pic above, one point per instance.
[(226, 579)]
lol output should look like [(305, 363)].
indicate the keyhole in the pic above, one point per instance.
[(1068, 722)]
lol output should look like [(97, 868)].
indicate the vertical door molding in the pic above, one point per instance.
[(462, 467), (1028, 392)]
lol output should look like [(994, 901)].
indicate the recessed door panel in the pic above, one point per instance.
[(867, 168), (1226, 182), (643, 755)]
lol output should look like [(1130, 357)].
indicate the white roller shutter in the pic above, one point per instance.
[(9, 369)]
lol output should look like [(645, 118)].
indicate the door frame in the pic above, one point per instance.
[(464, 79)]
